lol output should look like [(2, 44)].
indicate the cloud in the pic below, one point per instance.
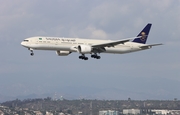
[(91, 32), (106, 12)]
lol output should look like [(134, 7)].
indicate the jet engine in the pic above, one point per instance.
[(63, 53), (84, 49)]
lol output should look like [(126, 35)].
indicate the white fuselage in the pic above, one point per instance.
[(71, 44)]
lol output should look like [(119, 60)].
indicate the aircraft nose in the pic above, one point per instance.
[(22, 43)]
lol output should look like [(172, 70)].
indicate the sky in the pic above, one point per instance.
[(150, 74)]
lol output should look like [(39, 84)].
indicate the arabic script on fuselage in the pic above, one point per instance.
[(61, 39)]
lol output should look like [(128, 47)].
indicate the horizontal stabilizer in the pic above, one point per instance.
[(149, 46)]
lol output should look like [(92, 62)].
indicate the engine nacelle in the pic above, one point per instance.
[(63, 53), (84, 49)]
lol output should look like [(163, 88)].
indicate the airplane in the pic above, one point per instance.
[(65, 46)]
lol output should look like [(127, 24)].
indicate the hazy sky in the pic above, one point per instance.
[(150, 74)]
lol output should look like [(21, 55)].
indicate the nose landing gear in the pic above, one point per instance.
[(32, 53)]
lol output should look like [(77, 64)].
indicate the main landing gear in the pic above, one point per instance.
[(83, 57), (95, 56), (86, 58)]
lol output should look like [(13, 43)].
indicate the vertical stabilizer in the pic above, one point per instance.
[(144, 34)]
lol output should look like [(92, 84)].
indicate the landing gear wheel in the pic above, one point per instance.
[(32, 54), (98, 57), (83, 57), (95, 56), (80, 57)]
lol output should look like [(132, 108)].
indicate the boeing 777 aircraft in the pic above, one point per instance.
[(65, 46)]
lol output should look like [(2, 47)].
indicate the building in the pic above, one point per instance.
[(166, 112), (38, 113), (61, 113), (80, 113), (150, 112), (131, 111), (108, 112), (1, 113), (49, 113)]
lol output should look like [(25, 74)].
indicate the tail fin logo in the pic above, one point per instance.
[(143, 38), (143, 35)]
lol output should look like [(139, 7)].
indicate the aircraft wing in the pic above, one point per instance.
[(113, 43), (149, 46)]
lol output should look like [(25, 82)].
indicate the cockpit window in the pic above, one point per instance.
[(26, 40)]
